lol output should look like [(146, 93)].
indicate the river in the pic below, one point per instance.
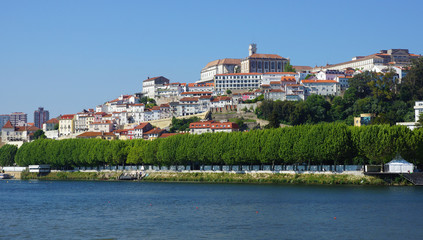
[(142, 210)]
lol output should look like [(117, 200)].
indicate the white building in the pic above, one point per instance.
[(221, 101), (275, 94), (201, 87), (391, 57), (150, 85), (212, 127), (136, 112), (220, 66), (105, 126), (16, 135), (237, 81), (321, 87), (275, 76)]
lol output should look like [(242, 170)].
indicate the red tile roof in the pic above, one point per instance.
[(238, 74), (142, 125), (95, 134), (221, 98), (27, 128), (277, 90), (188, 93), (151, 79), (189, 99), (288, 79), (53, 121), (226, 61), (67, 116), (200, 84), (8, 125), (319, 81), (272, 56), (164, 105), (205, 124), (165, 135), (154, 131), (281, 73), (155, 108), (206, 97), (275, 83)]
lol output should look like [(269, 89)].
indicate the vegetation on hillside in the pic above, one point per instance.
[(369, 92), (182, 124)]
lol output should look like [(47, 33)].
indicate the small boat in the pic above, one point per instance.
[(5, 176)]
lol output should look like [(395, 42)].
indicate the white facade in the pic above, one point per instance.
[(321, 87), (101, 127), (221, 66), (150, 85), (418, 109), (237, 81)]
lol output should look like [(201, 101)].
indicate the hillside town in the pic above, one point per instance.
[(225, 85)]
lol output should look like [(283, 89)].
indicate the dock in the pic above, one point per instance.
[(414, 178)]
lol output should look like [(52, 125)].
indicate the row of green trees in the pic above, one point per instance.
[(332, 143), (369, 92)]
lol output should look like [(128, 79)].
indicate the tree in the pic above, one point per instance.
[(228, 91), (39, 134), (7, 155), (412, 84), (289, 68)]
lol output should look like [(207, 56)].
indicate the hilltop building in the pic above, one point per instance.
[(220, 66), (385, 59), (262, 63)]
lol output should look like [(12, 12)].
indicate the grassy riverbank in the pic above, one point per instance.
[(73, 176), (264, 178)]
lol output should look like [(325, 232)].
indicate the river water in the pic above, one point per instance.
[(142, 210)]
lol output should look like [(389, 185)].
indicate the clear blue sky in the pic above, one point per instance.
[(71, 55)]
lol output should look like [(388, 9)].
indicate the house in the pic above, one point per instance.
[(150, 85), (221, 101), (138, 131), (364, 119), (17, 135), (212, 127), (66, 125), (50, 130), (275, 94), (103, 126), (100, 135), (165, 111), (153, 133), (321, 87), (50, 125), (195, 94), (122, 134)]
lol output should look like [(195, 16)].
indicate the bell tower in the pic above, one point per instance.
[(252, 49)]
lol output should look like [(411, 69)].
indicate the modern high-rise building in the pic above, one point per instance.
[(18, 119), (3, 119), (41, 116)]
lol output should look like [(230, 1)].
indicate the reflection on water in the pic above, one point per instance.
[(139, 210)]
